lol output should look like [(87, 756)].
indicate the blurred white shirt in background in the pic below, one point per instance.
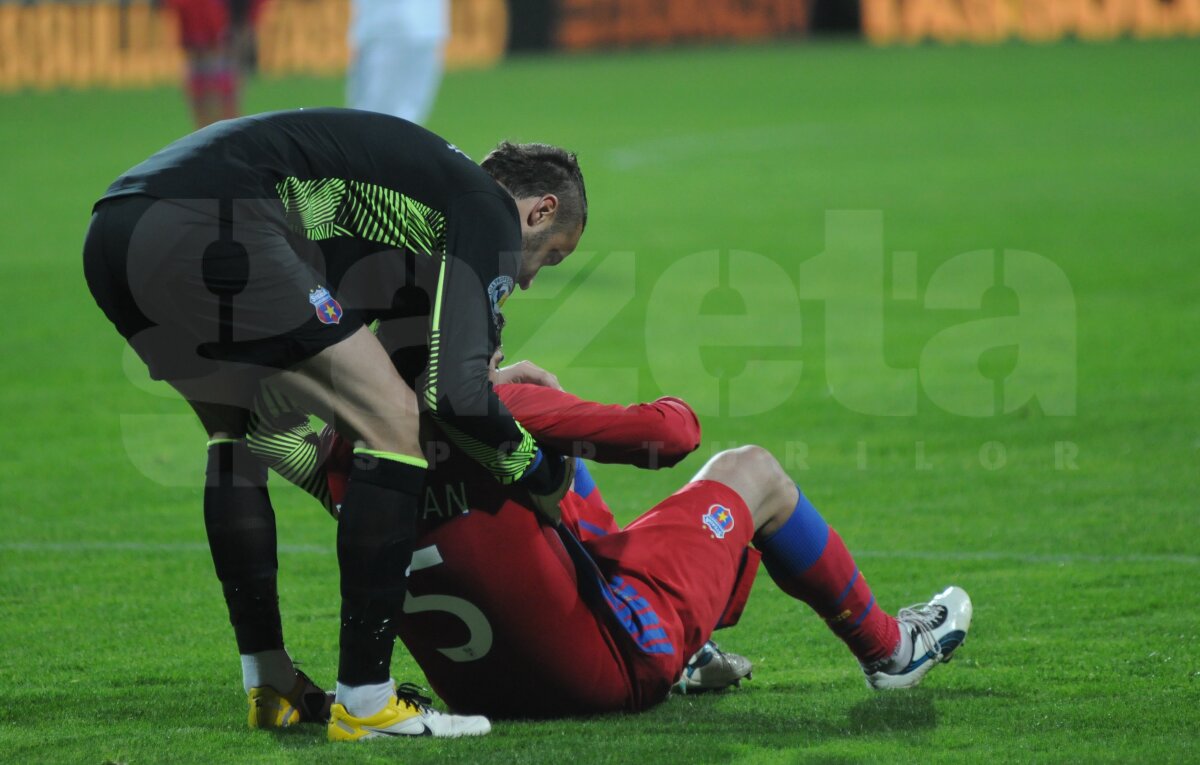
[(396, 55)]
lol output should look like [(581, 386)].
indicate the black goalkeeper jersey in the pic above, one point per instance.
[(365, 186)]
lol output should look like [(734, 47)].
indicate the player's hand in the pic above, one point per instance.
[(526, 372), (549, 483)]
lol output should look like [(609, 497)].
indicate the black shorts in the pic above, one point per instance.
[(197, 284)]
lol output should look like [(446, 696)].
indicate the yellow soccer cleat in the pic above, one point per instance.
[(407, 714), (305, 703)]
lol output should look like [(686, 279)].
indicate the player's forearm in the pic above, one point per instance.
[(653, 435), (478, 424)]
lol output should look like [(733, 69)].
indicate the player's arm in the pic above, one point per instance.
[(652, 435), (483, 245)]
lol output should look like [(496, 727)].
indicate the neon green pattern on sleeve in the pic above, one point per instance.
[(325, 208), (507, 468), (435, 341)]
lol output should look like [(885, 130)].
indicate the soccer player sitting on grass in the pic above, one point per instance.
[(510, 615)]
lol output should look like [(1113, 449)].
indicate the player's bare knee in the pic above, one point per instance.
[(385, 430), (758, 462), (751, 471), (779, 492), (221, 421), (370, 406), (762, 482), (741, 461)]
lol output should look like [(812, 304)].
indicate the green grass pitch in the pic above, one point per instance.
[(1071, 518)]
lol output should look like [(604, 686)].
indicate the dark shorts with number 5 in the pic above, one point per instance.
[(196, 284)]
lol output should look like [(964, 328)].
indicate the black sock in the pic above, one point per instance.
[(375, 540), (240, 523)]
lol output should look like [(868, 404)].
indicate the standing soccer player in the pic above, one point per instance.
[(263, 246)]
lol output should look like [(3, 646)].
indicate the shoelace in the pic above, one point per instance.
[(410, 694), (922, 617)]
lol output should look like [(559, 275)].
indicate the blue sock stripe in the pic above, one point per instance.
[(799, 543), (846, 592), (862, 616)]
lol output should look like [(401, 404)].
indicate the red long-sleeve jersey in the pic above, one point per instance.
[(654, 435)]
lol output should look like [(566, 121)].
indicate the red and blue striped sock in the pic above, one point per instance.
[(809, 561)]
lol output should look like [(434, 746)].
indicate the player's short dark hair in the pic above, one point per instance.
[(533, 169)]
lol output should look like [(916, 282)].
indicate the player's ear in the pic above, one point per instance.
[(543, 210)]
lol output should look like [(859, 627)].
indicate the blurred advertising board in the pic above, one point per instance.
[(132, 43), (614, 24), (987, 21), (588, 24)]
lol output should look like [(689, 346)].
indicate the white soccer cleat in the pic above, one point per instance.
[(407, 714), (711, 669), (937, 629)]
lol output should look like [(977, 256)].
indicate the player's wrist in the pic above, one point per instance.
[(545, 474), (547, 482)]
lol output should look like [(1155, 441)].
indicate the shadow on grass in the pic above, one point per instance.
[(893, 712), (700, 730)]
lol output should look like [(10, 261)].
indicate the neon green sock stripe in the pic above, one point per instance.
[(394, 457), (214, 441)]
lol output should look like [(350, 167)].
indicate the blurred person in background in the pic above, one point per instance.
[(396, 55), (217, 37), (244, 16)]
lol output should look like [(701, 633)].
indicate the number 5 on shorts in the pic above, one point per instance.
[(480, 640)]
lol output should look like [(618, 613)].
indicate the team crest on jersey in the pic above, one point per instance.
[(498, 291), (718, 520), (329, 311)]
